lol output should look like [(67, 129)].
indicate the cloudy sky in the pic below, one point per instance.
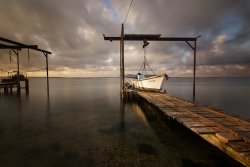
[(73, 31)]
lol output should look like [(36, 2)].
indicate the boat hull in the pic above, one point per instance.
[(151, 83)]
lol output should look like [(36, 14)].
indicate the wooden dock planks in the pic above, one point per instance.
[(225, 131)]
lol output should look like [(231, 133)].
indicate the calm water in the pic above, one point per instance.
[(229, 94), (83, 122)]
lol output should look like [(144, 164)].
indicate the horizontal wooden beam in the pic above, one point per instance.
[(2, 46), (136, 38), (21, 45)]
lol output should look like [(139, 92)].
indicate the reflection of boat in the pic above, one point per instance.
[(153, 83)]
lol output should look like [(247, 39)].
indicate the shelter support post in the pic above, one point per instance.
[(194, 49), (17, 79), (47, 69), (194, 70), (122, 61)]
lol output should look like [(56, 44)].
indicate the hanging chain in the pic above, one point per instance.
[(145, 63)]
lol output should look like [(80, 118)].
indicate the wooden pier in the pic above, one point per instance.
[(9, 84), (228, 132)]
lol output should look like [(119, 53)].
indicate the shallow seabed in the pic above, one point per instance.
[(83, 122)]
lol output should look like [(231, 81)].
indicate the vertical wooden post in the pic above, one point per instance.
[(122, 61), (194, 70), (47, 68), (18, 80), (27, 85)]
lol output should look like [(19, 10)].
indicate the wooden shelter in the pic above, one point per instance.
[(148, 37), (15, 47)]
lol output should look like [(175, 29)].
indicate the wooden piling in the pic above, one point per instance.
[(27, 85), (122, 61)]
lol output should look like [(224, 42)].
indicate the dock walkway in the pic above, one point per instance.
[(228, 132)]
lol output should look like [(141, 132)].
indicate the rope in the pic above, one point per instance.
[(128, 12), (140, 68)]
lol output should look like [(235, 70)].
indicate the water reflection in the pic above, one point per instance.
[(48, 110), (122, 114), (228, 94), (88, 125), (139, 113)]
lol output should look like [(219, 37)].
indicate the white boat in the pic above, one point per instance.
[(153, 83)]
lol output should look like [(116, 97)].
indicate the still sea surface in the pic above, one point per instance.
[(83, 122)]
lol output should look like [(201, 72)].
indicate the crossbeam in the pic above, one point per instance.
[(21, 45), (2, 46), (148, 38)]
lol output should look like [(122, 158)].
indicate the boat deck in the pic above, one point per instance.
[(228, 132)]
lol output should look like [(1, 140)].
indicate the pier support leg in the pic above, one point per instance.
[(27, 85)]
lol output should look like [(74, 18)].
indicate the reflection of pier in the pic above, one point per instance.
[(139, 113), (229, 133)]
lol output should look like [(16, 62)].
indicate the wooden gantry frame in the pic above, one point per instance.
[(147, 37), (15, 47)]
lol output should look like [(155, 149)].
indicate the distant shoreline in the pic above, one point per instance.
[(131, 77)]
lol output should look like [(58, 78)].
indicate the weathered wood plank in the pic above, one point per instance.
[(179, 115), (239, 156), (211, 115), (206, 130), (240, 146), (169, 108), (196, 124), (246, 155), (226, 121), (181, 120), (194, 109), (228, 137), (159, 104), (242, 128), (245, 134)]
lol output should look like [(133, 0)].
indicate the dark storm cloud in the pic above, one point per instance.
[(72, 31), (212, 20)]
